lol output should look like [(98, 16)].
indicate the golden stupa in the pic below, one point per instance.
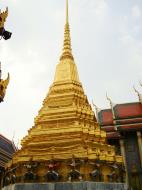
[(66, 139)]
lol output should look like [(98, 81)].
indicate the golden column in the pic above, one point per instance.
[(121, 141), (139, 136)]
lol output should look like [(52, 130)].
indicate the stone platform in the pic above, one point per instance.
[(67, 186)]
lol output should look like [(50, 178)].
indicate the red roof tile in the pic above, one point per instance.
[(129, 110), (127, 117), (105, 117)]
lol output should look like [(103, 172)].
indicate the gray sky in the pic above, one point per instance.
[(107, 46)]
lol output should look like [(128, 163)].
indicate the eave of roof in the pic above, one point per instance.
[(128, 110), (113, 135), (7, 145), (130, 127)]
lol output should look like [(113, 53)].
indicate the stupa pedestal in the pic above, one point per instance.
[(67, 186)]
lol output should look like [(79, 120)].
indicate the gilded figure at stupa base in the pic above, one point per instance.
[(66, 142), (3, 85)]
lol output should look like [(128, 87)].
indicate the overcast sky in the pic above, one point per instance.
[(107, 46)]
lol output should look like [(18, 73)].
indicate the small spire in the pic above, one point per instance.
[(67, 51)]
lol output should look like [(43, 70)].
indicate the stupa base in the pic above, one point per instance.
[(67, 186)]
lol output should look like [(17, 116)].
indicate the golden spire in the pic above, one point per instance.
[(67, 12), (67, 51)]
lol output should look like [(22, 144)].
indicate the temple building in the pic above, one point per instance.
[(66, 142), (7, 149), (123, 126)]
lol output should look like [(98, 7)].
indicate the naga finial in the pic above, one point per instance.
[(110, 101), (111, 105), (96, 107), (138, 93)]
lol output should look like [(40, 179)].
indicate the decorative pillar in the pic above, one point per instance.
[(121, 141), (139, 135)]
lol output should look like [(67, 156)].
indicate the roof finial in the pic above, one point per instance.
[(140, 83), (111, 105), (96, 107), (110, 101), (67, 12), (97, 110), (67, 51)]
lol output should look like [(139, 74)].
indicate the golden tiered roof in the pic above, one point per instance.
[(66, 125)]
